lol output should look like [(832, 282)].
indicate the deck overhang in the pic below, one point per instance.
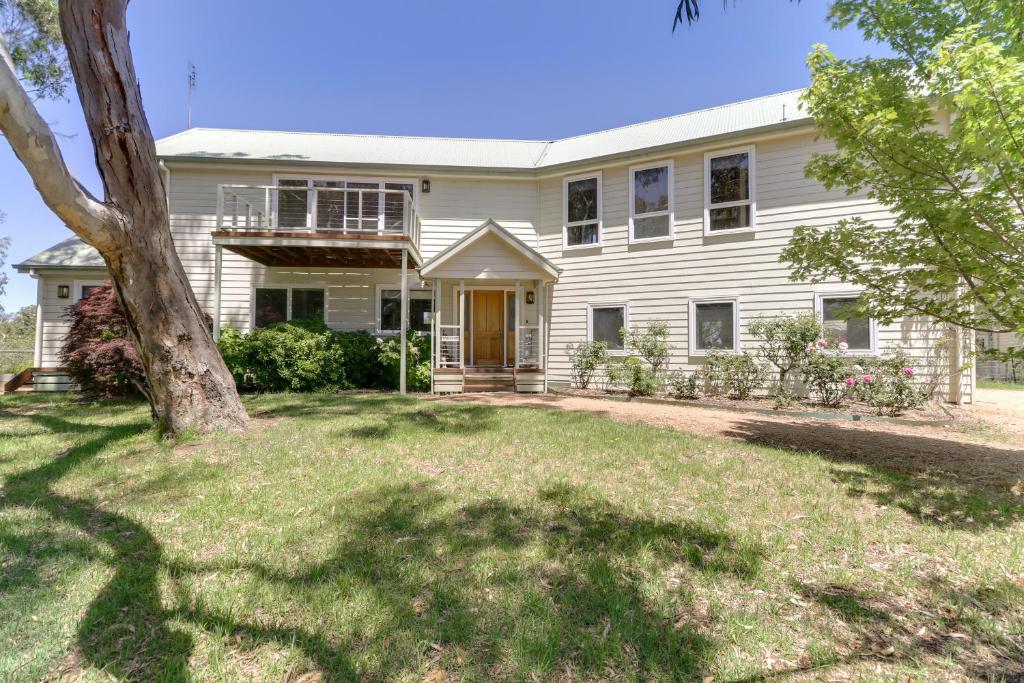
[(278, 248)]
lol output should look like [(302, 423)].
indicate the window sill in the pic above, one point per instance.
[(701, 353), (582, 247), (652, 240), (708, 232)]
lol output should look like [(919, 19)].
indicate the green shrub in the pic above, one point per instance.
[(712, 374), (307, 356), (826, 371), (741, 375), (684, 385), (887, 384), (785, 341), (633, 375), (417, 370), (584, 360), (650, 343)]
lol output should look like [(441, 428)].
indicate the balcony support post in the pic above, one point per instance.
[(519, 318), (405, 320), (218, 267)]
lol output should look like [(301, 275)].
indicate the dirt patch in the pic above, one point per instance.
[(913, 449), (1000, 409)]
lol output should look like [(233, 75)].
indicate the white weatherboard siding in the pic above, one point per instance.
[(657, 279)]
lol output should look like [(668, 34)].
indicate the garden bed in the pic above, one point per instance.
[(931, 412)]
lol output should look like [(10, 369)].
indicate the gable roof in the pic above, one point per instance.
[(490, 227), (71, 253), (533, 156)]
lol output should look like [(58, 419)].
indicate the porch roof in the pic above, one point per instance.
[(473, 258)]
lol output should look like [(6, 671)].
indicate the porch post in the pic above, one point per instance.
[(37, 352), (462, 324), (542, 292), (405, 319), (519, 317), (218, 258)]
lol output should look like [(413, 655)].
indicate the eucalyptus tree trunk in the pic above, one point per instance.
[(190, 386)]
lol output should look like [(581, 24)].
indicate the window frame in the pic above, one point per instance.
[(751, 190), (565, 211), (819, 311), (624, 305), (379, 309), (381, 181), (670, 212), (76, 288), (288, 309), (692, 324)]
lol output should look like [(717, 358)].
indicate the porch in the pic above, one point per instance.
[(491, 302)]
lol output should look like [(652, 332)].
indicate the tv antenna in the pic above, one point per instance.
[(191, 87)]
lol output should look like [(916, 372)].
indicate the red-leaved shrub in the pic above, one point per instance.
[(97, 352)]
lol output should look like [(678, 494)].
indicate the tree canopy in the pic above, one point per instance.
[(31, 30), (934, 133)]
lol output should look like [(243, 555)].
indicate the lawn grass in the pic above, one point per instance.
[(373, 537), (993, 384)]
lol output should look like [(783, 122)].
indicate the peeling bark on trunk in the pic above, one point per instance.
[(190, 386)]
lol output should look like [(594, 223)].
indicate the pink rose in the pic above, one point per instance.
[(850, 381), (868, 379), (822, 343), (909, 372), (809, 347)]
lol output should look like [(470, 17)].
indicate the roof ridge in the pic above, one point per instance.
[(361, 135), (679, 115)]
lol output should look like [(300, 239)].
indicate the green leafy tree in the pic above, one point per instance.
[(936, 134), (31, 30)]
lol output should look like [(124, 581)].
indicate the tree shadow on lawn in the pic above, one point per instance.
[(937, 481), (574, 593)]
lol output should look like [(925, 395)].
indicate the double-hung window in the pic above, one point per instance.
[(605, 323), (582, 207), (364, 205), (729, 191), (389, 310), (714, 325), (842, 324), (650, 203), (277, 304)]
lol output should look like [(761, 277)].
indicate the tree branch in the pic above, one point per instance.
[(36, 147)]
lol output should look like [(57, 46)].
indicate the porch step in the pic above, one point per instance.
[(489, 379)]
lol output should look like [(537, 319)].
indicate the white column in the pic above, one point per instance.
[(462, 324), (405, 319), (37, 356), (218, 267), (519, 317), (542, 291)]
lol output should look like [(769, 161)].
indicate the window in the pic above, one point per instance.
[(841, 324), (650, 203), (729, 204), (714, 325), (389, 309), (277, 304), (582, 201), (342, 204), (605, 323), (81, 288)]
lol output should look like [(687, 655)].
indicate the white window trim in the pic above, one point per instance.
[(288, 300), (311, 178), (819, 310), (752, 175), (624, 305), (565, 212), (398, 286), (76, 288), (670, 212), (692, 323)]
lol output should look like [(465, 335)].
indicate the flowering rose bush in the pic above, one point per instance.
[(887, 385), (827, 372)]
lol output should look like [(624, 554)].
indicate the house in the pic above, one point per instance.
[(507, 251)]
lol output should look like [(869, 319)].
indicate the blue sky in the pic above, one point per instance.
[(538, 69)]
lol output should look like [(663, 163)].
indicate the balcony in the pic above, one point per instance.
[(327, 224)]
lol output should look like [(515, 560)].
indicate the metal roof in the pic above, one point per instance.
[(468, 153), (71, 253)]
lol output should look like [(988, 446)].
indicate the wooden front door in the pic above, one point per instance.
[(488, 309)]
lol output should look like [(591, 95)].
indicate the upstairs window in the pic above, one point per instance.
[(605, 323), (650, 203), (714, 325), (729, 191), (342, 205), (842, 325), (582, 219), (277, 304)]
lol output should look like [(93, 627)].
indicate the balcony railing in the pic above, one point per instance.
[(353, 209)]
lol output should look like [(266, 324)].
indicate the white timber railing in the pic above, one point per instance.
[(529, 346), (322, 207), (449, 351)]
